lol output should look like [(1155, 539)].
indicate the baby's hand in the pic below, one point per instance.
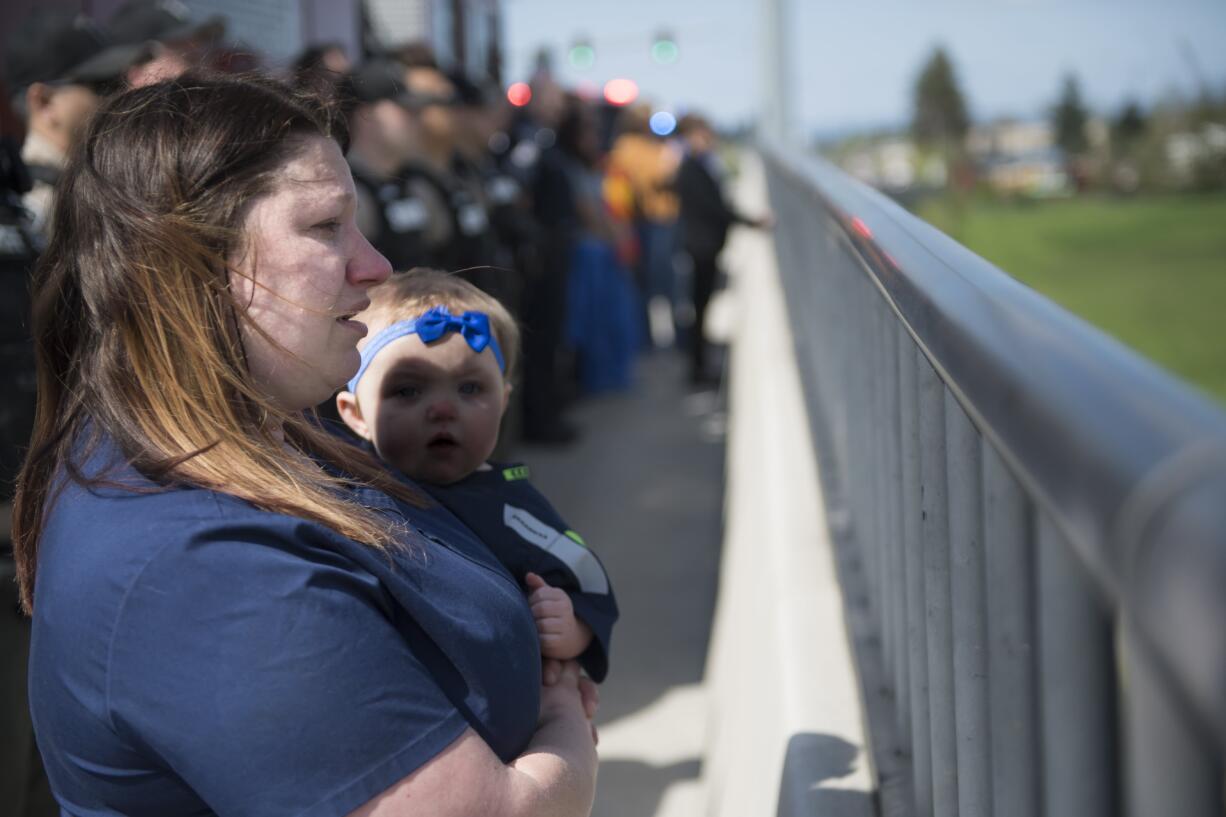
[(562, 635)]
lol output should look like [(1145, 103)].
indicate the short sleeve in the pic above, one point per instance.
[(272, 674)]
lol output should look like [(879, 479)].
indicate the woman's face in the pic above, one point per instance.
[(303, 275)]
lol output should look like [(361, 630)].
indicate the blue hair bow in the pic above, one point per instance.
[(434, 324)]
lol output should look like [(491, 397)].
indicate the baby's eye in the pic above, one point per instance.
[(406, 392), (329, 227), (471, 387)]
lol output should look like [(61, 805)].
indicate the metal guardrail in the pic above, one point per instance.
[(1039, 516)]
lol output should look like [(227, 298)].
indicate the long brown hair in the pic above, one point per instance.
[(136, 330)]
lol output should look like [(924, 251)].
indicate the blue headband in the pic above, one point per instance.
[(434, 324)]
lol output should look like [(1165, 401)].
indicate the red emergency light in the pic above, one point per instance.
[(519, 94), (621, 91)]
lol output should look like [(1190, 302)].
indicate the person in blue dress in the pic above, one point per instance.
[(235, 612), (429, 397)]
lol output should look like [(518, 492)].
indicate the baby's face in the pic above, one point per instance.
[(433, 411)]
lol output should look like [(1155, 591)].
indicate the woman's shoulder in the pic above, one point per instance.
[(112, 532), (108, 512)]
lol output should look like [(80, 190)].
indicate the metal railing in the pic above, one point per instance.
[(1038, 518)]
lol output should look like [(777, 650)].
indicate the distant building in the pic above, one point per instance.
[(1038, 173), (1188, 150), (465, 34), (891, 163), (1019, 158), (1008, 137)]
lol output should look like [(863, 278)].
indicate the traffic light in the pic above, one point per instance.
[(582, 56), (664, 49)]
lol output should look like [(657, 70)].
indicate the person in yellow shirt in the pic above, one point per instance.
[(649, 165)]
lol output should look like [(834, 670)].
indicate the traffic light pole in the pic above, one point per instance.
[(776, 70)]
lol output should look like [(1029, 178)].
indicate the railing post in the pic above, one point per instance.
[(921, 735), (886, 600), (969, 619), (891, 433), (1077, 681), (934, 510), (1167, 770), (1009, 580)]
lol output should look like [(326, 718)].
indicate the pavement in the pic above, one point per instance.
[(644, 486)]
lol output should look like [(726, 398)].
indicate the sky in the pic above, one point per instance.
[(853, 63)]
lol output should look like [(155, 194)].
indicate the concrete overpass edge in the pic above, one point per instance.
[(786, 731)]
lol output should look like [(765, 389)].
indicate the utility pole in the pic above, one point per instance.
[(776, 70)]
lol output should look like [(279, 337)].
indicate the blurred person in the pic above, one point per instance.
[(489, 199), (172, 42), (289, 627), (321, 68), (706, 217), (321, 58), (649, 164), (441, 104), (531, 129), (602, 307), (544, 166), (481, 148), (404, 215), (414, 54), (23, 785), (59, 67), (430, 394)]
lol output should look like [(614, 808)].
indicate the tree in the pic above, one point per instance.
[(940, 118), (1128, 127), (1069, 118)]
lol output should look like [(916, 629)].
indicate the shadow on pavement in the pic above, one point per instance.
[(813, 759), (639, 787)]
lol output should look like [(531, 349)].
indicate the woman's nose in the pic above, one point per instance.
[(367, 266)]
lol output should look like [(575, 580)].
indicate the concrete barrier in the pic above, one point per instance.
[(785, 734)]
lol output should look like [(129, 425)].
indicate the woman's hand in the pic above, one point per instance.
[(556, 674), (554, 777)]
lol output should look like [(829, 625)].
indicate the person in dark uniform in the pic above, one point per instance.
[(170, 41), (502, 199), (403, 216), (59, 67), (404, 143), (472, 250), (545, 166), (706, 217)]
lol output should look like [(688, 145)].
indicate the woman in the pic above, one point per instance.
[(234, 613), (602, 323)]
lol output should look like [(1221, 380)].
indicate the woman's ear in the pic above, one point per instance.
[(347, 406)]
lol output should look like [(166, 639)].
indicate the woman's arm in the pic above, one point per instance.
[(554, 777)]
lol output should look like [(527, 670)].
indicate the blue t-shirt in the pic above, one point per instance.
[(194, 655)]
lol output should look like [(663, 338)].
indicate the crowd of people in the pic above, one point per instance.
[(598, 234), (241, 607)]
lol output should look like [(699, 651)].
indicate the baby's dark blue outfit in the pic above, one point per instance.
[(527, 535)]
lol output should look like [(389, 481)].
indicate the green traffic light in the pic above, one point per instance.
[(665, 52), (582, 57)]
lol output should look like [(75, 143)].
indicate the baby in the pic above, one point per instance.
[(436, 374)]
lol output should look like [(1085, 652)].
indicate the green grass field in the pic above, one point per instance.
[(1149, 271)]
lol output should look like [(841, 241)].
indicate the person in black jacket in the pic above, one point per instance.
[(706, 217)]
